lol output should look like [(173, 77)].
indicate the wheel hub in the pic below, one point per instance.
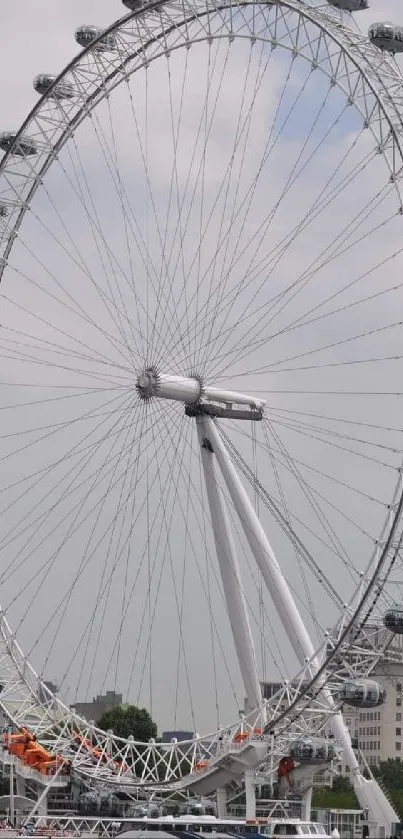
[(198, 397)]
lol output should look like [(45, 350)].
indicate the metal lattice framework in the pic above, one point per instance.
[(371, 82)]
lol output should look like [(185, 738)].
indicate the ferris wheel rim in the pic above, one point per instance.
[(326, 22), (301, 10)]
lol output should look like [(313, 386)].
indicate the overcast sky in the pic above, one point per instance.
[(38, 37)]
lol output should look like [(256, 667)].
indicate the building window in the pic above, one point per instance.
[(398, 700), (398, 732), (398, 747), (399, 687), (398, 717)]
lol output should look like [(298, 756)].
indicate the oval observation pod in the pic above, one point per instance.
[(393, 619), (363, 693), (134, 5), (86, 35), (24, 146), (61, 90), (138, 5), (386, 36), (312, 750), (350, 5), (3, 214)]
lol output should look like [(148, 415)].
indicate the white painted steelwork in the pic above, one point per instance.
[(371, 82), (189, 390), (230, 574), (262, 551)]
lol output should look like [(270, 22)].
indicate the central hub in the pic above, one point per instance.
[(179, 388), (147, 383), (192, 392)]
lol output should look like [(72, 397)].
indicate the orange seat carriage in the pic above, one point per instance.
[(98, 753), (240, 736), (202, 764), (17, 743), (24, 745)]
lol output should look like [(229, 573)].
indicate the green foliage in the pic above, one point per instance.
[(390, 775), (342, 784), (340, 797), (126, 720), (390, 772)]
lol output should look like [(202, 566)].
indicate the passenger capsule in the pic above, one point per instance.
[(86, 35), (350, 5), (25, 145), (61, 90), (134, 5), (3, 211), (386, 36), (363, 693), (312, 750), (137, 5), (393, 619)]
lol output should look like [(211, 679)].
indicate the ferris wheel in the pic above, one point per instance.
[(200, 234)]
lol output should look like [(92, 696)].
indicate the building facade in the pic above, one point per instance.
[(376, 733), (180, 736), (100, 705)]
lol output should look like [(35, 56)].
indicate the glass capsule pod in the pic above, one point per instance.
[(312, 750), (363, 693), (386, 36), (86, 35), (350, 5), (134, 5), (25, 145), (138, 5), (3, 211), (393, 619), (62, 90)]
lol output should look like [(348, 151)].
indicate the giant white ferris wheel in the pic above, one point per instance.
[(200, 232)]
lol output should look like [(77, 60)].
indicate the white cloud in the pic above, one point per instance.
[(40, 38)]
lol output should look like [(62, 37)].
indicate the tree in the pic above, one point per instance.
[(340, 796), (126, 720), (342, 784), (390, 772), (390, 775)]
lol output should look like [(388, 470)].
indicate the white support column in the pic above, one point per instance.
[(250, 794), (272, 574), (12, 809), (21, 785), (43, 804), (222, 803), (262, 550), (306, 804), (230, 574)]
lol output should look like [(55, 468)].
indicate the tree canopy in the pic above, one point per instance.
[(390, 775), (126, 720), (340, 796)]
